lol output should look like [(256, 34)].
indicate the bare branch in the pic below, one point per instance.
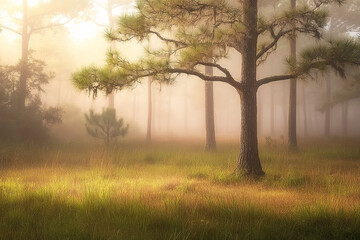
[(275, 79), (224, 70), (167, 39), (99, 5), (204, 77), (10, 29), (51, 26), (308, 20), (276, 39)]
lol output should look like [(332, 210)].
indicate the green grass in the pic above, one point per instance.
[(177, 191)]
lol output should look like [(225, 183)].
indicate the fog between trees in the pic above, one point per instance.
[(178, 109)]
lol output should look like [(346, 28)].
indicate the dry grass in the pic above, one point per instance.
[(177, 191)]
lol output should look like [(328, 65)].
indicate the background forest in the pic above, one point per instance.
[(102, 138), (64, 49)]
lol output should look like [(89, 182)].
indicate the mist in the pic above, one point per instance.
[(178, 108), (170, 119)]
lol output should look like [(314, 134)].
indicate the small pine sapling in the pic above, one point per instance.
[(105, 125)]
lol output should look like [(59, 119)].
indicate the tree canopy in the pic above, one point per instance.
[(201, 33)]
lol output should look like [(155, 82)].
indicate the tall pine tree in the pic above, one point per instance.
[(200, 33)]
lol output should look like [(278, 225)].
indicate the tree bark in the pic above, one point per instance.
[(285, 107), (148, 134), (168, 120), (25, 37), (328, 99), (292, 138), (111, 103), (260, 115), (249, 161), (345, 107), (186, 108), (304, 110), (272, 111), (209, 112)]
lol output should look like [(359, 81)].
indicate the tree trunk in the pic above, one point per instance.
[(345, 107), (272, 111), (292, 139), (134, 110), (107, 136), (25, 37), (328, 99), (111, 25), (285, 107), (168, 123), (186, 108), (304, 110), (148, 135), (154, 110), (59, 93), (260, 114), (111, 100), (209, 112), (249, 161)]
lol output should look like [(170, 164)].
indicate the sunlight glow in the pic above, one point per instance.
[(82, 31), (31, 3)]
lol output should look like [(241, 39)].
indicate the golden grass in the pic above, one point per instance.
[(193, 187)]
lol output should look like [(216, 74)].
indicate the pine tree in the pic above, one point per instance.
[(200, 33), (105, 125)]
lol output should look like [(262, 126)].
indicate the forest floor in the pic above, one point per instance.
[(175, 190)]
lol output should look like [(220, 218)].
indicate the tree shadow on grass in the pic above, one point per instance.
[(50, 217)]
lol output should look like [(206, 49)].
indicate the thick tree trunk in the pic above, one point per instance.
[(148, 134), (292, 139), (328, 109), (249, 162), (209, 112), (25, 37), (260, 114)]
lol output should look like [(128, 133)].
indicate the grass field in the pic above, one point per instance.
[(177, 191)]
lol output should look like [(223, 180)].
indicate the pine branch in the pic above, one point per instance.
[(222, 69), (275, 79), (204, 77), (168, 40)]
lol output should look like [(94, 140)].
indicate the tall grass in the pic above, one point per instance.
[(177, 191)]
